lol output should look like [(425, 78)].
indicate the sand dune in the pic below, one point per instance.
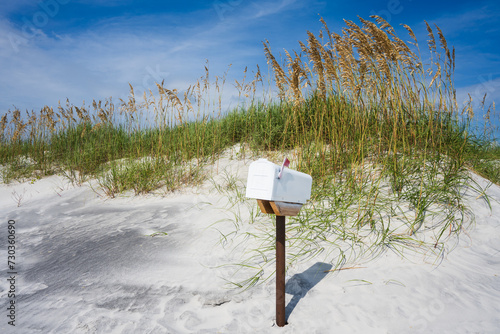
[(88, 264)]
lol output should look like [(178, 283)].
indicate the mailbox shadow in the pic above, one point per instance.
[(300, 284)]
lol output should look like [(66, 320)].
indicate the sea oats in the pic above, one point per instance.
[(384, 24), (432, 41), (315, 55), (436, 75), (444, 44), (3, 125), (280, 76)]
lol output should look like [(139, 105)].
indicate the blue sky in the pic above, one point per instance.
[(51, 50)]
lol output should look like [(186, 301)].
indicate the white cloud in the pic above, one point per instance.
[(487, 85), (271, 8), (101, 61), (472, 19)]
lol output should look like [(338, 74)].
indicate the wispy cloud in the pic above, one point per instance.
[(488, 86), (471, 19), (100, 61), (272, 7)]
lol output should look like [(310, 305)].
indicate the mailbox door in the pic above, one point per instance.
[(262, 175)]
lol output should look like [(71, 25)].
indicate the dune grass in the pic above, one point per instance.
[(375, 122)]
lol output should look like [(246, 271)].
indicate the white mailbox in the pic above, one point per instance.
[(263, 183)]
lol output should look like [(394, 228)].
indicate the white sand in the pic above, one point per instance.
[(87, 264)]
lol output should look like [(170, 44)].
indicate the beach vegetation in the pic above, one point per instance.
[(372, 118)]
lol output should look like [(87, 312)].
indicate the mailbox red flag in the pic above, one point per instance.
[(286, 163)]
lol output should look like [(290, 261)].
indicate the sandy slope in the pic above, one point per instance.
[(87, 264)]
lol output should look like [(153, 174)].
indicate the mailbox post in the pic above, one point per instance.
[(280, 271), (281, 192)]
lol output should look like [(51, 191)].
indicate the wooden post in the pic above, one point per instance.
[(280, 270), (281, 210)]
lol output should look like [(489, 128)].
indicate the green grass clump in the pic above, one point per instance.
[(146, 175)]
